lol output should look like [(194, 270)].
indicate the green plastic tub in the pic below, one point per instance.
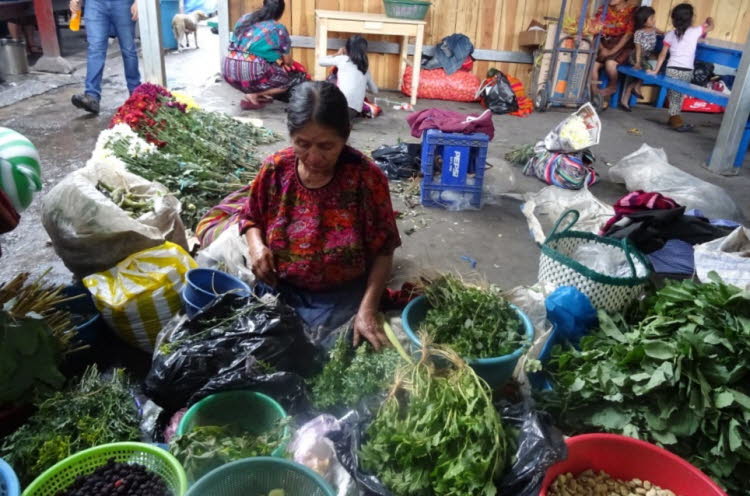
[(259, 476), (406, 9), (496, 371), (61, 475)]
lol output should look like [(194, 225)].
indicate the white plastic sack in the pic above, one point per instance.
[(499, 180), (608, 260), (729, 257), (92, 234), (649, 170), (551, 202), (228, 253)]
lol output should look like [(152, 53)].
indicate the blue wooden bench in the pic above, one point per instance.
[(706, 53)]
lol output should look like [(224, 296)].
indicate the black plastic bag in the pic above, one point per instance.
[(401, 161), (703, 73), (497, 94), (539, 446), (235, 344)]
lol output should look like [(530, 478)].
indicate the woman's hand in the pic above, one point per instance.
[(262, 264), (367, 325), (134, 11), (604, 52), (75, 6)]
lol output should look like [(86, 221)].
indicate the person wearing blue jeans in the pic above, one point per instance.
[(103, 17)]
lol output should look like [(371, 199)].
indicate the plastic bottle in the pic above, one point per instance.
[(75, 21)]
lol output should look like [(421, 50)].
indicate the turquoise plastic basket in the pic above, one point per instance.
[(260, 476), (8, 481), (496, 371), (406, 9)]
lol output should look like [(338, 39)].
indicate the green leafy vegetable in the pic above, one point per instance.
[(438, 432), (207, 447), (351, 375), (679, 377), (476, 322), (92, 412), (520, 154)]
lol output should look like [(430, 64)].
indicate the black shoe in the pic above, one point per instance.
[(86, 102), (625, 108)]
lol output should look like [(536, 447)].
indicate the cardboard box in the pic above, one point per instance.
[(532, 38)]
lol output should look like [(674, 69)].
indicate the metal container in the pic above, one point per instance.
[(13, 57)]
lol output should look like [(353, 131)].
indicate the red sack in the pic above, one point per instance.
[(435, 84), (692, 104)]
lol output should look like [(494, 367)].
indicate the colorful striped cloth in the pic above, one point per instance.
[(525, 104), (220, 217)]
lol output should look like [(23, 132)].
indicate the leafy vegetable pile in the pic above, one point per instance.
[(477, 323), (520, 155), (207, 447), (351, 375), (438, 432), (94, 411), (135, 204), (679, 378)]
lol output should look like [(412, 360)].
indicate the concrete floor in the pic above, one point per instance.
[(496, 237)]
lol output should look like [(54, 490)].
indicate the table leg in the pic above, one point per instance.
[(417, 63), (45, 19), (404, 59), (321, 48)]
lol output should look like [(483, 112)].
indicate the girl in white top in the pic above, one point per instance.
[(354, 78), (681, 45)]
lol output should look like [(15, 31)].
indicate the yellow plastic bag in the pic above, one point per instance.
[(141, 294)]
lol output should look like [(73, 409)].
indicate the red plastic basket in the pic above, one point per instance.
[(627, 458)]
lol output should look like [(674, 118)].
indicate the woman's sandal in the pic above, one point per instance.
[(625, 108)]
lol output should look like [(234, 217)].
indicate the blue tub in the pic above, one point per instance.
[(8, 481), (203, 286), (496, 371), (88, 322)]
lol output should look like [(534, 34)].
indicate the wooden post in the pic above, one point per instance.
[(51, 61), (224, 28), (735, 119), (149, 25)]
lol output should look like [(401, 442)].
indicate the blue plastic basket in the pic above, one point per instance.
[(8, 481), (496, 371), (206, 285)]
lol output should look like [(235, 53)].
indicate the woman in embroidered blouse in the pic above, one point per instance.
[(319, 222), (259, 52), (616, 42)]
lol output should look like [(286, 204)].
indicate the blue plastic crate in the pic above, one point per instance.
[(453, 167)]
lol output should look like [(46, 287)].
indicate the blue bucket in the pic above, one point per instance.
[(86, 317), (203, 286), (8, 481), (496, 371)]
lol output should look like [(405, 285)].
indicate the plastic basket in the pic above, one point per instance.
[(406, 9), (496, 371), (61, 475), (626, 458), (260, 476), (8, 481), (556, 267)]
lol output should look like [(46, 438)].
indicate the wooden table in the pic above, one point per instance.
[(363, 23)]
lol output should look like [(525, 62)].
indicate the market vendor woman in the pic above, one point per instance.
[(319, 221)]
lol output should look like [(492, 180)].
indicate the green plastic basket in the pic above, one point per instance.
[(406, 9), (247, 410), (61, 475), (259, 476)]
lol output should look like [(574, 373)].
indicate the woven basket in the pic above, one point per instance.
[(557, 268)]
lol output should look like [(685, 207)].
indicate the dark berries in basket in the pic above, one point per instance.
[(118, 479)]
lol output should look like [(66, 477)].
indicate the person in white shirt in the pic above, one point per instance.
[(353, 77), (681, 45)]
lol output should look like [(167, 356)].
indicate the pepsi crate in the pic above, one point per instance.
[(453, 168)]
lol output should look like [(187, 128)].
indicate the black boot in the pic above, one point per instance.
[(86, 102)]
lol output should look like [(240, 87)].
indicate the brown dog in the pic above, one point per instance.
[(184, 24)]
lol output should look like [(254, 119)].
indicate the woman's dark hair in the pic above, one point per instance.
[(641, 16), (682, 18), (272, 10), (356, 48), (318, 102)]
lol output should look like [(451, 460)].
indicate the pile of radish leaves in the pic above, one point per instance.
[(679, 377)]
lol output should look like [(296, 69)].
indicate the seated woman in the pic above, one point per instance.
[(319, 222), (616, 42), (259, 52)]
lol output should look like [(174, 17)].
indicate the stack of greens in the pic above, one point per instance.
[(351, 375), (438, 432), (678, 377), (207, 447), (95, 411), (475, 322)]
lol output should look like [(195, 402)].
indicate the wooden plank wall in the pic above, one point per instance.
[(491, 24)]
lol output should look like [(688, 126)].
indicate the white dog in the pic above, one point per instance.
[(184, 24)]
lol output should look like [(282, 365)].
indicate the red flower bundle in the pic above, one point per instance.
[(141, 111)]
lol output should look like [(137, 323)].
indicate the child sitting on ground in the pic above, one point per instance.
[(681, 45), (353, 77), (645, 45)]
